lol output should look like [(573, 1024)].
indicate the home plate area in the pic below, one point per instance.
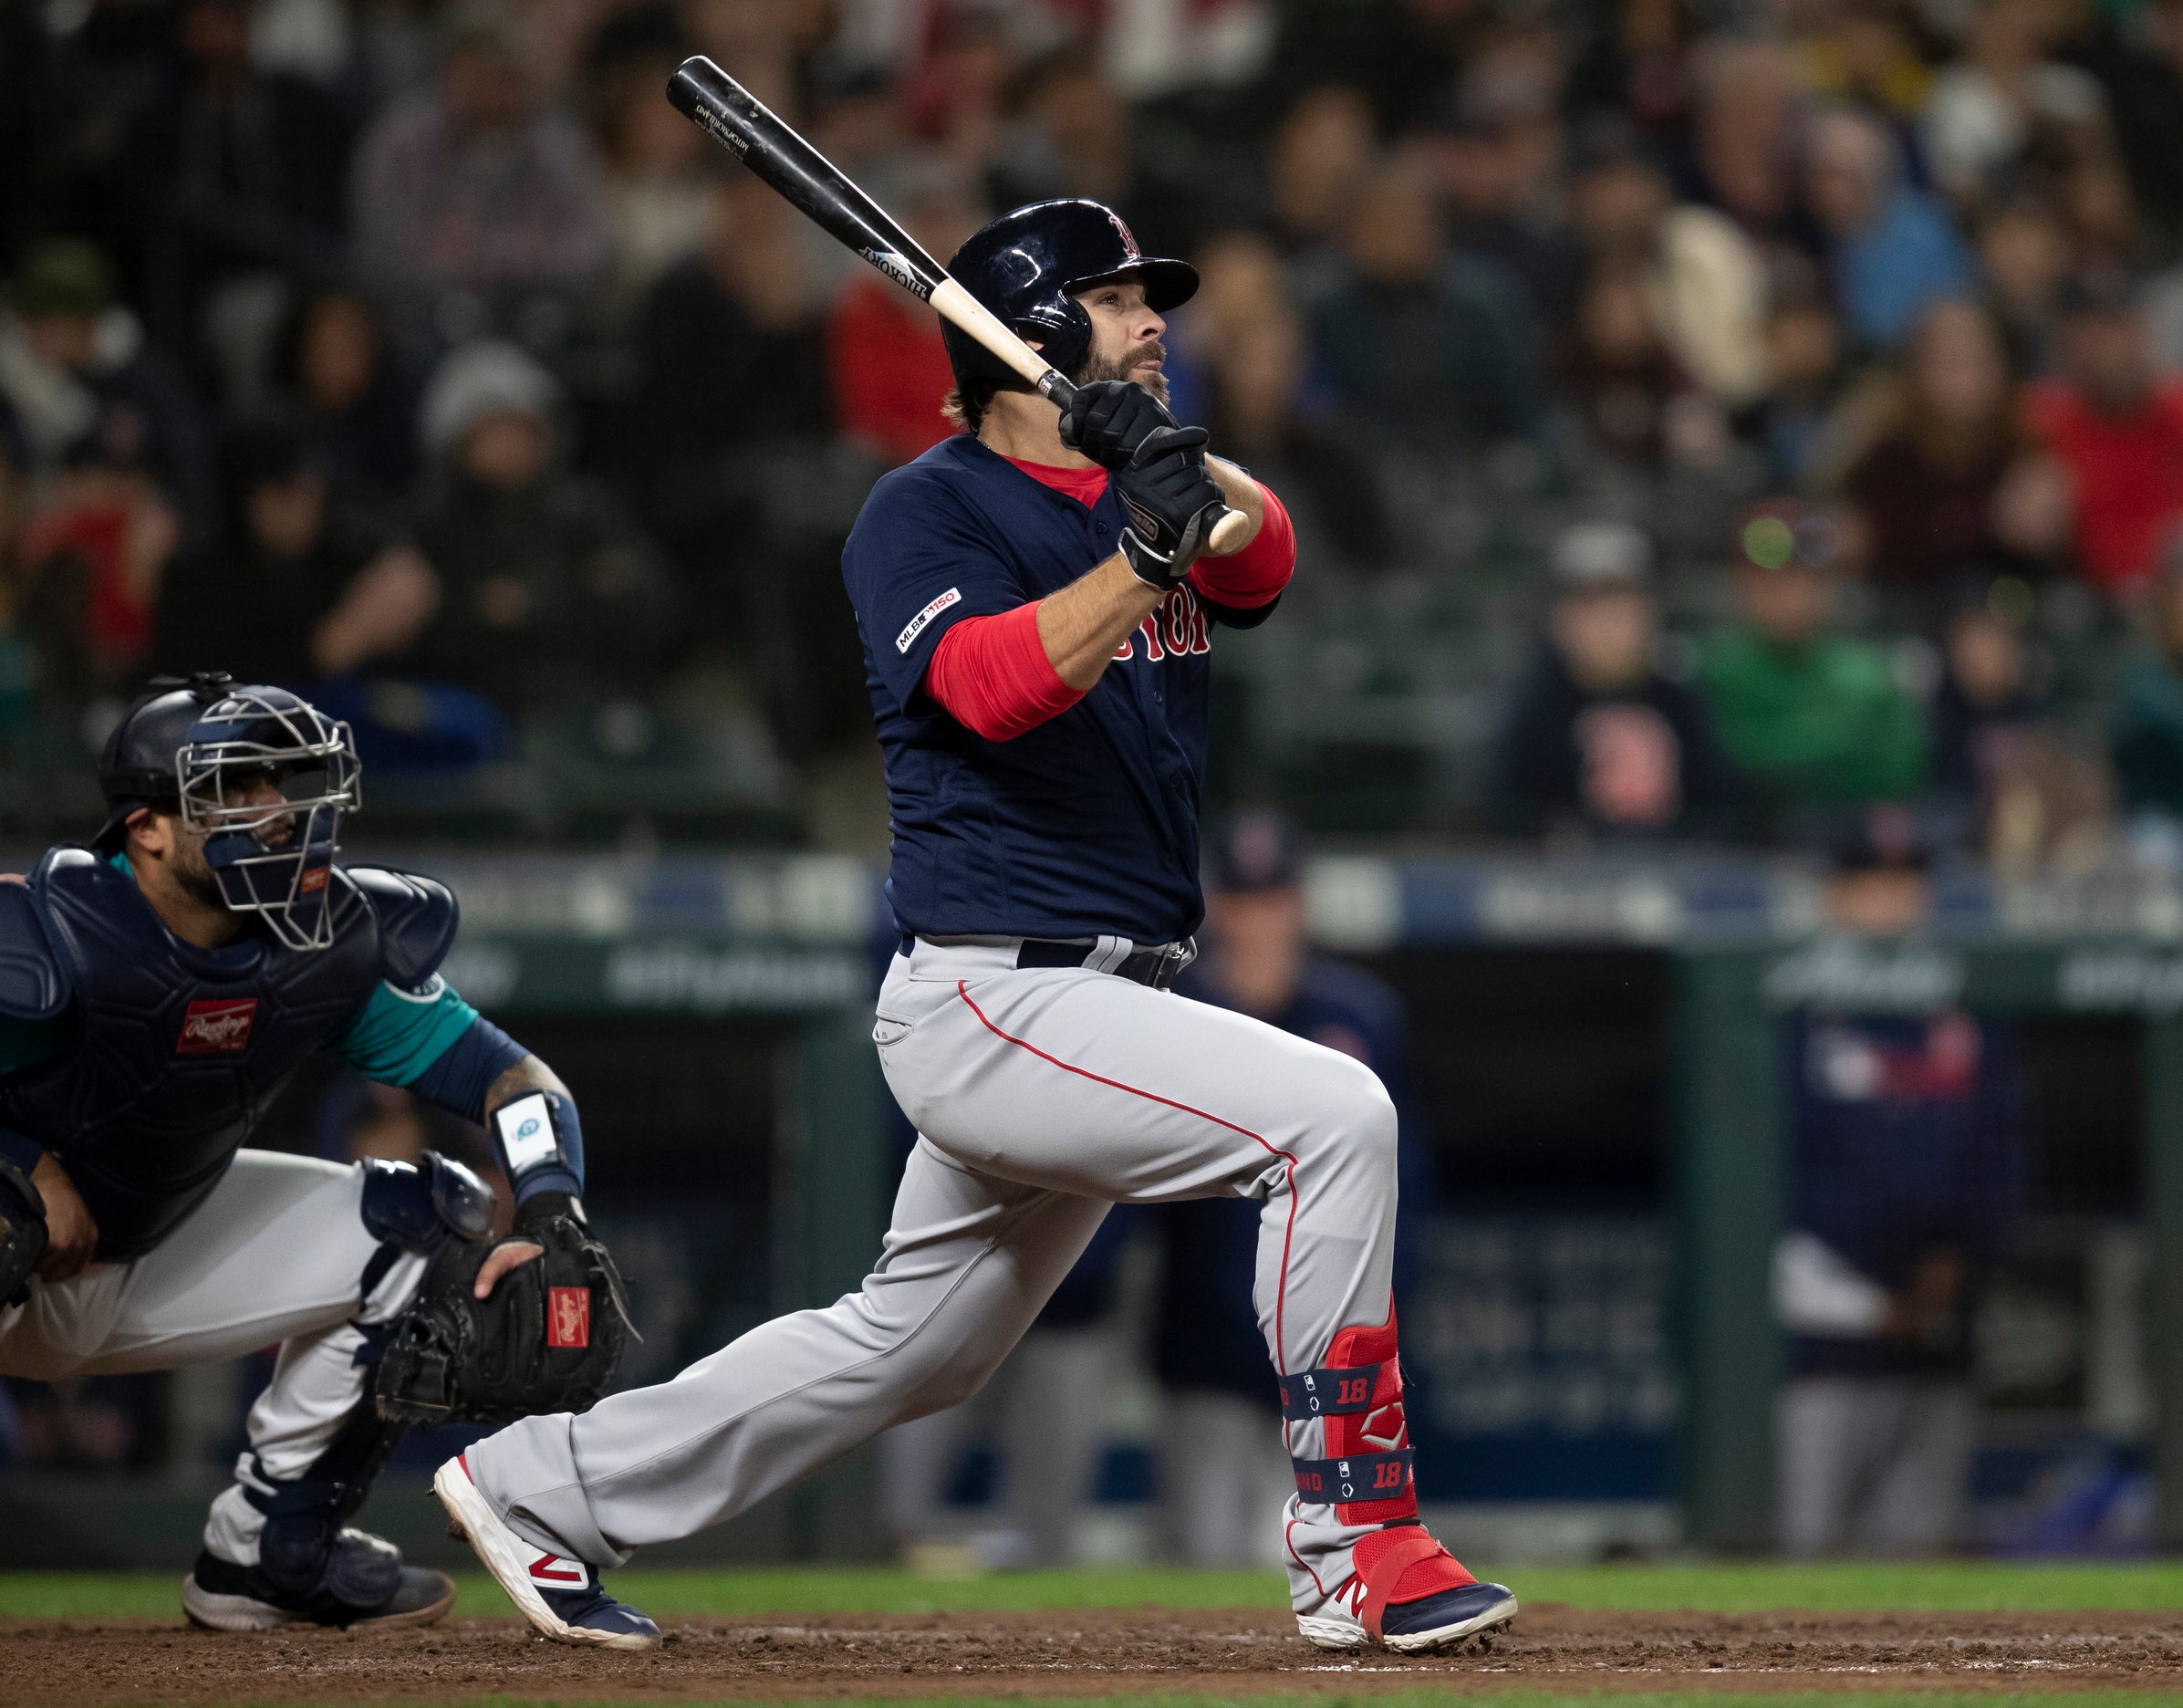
[(1089, 1651)]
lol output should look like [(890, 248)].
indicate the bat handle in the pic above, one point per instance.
[(1227, 535)]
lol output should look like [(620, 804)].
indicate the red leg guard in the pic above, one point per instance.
[(1383, 1428)]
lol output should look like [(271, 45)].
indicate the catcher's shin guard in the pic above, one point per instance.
[(312, 1567)]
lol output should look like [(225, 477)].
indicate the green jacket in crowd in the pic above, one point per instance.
[(2145, 735), (1819, 724)]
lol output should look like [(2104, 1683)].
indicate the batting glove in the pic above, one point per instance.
[(1171, 503)]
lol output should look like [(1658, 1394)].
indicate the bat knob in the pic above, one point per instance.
[(1228, 533)]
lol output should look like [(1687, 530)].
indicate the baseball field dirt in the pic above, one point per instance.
[(1098, 1651)]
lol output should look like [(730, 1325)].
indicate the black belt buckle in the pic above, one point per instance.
[(1167, 963)]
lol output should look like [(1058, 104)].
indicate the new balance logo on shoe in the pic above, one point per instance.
[(550, 1571)]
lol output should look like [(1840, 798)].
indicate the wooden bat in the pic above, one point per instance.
[(741, 123)]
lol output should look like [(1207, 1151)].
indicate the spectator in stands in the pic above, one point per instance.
[(1749, 104), (2011, 781), (1402, 54), (1818, 720), (1251, 341), (1792, 423), (333, 369), (239, 172), (301, 587), (2025, 253), (658, 175), (552, 601), (1635, 401), (742, 323), (2145, 726), (1317, 159), (1892, 249), (1926, 493), (1640, 69), (884, 354), (1220, 1460), (2116, 428), (1484, 149), (478, 204), (1598, 739), (2005, 99), (2139, 63), (1070, 134), (83, 390), (1434, 350), (1907, 1173)]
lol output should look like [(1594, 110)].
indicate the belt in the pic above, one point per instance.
[(1158, 967)]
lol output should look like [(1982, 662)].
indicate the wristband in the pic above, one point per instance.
[(540, 1144)]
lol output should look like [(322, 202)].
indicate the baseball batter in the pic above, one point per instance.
[(157, 990), (1036, 618)]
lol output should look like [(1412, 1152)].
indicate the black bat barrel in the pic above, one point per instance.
[(743, 125)]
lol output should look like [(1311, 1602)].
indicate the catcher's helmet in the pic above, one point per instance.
[(189, 748), (136, 767), (1026, 265), (272, 857)]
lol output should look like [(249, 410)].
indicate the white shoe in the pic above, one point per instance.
[(563, 1599)]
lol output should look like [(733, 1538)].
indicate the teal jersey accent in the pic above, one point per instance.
[(397, 1033)]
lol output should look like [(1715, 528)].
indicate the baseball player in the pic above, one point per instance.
[(157, 989), (1036, 615)]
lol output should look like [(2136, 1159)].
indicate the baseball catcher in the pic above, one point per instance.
[(1038, 603), (157, 990)]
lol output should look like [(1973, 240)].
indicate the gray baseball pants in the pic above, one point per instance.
[(279, 1253), (1040, 1096)]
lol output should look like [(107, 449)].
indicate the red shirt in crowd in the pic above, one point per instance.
[(2129, 474), (992, 675), (888, 369)]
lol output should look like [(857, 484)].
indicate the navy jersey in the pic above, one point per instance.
[(1909, 1139), (143, 1062), (1085, 826), (1207, 1334)]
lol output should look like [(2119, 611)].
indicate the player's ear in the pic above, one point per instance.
[(151, 832)]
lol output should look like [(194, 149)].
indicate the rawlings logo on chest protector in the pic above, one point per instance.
[(217, 1027)]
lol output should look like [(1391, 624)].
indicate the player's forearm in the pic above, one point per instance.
[(1081, 626), (530, 1074)]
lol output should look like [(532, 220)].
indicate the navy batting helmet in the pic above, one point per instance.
[(1026, 265)]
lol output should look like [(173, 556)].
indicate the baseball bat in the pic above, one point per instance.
[(743, 125)]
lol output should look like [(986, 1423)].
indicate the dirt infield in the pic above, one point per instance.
[(1086, 1652)]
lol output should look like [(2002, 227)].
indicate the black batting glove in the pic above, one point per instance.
[(1107, 419), (1171, 503)]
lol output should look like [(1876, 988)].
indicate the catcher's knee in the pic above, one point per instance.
[(419, 1207)]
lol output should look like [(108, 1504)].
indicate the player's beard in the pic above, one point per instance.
[(1124, 368), (194, 875)]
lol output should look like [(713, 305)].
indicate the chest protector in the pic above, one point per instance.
[(176, 1052)]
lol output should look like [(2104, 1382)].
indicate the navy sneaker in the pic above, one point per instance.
[(1442, 1621), (563, 1599), (364, 1583)]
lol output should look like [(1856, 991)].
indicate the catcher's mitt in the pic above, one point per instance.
[(547, 1338)]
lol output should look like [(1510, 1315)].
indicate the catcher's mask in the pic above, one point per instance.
[(271, 857)]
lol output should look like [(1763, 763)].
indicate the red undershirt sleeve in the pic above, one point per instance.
[(1256, 574), (993, 676)]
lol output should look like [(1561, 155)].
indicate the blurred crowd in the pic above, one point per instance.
[(1753, 408)]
